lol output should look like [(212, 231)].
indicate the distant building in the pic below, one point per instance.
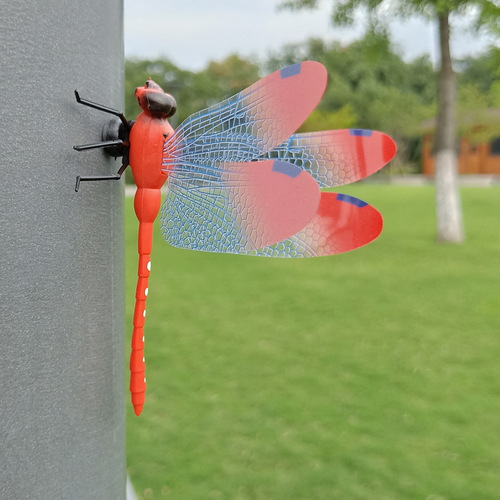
[(474, 157)]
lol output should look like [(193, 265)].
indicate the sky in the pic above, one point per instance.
[(190, 33)]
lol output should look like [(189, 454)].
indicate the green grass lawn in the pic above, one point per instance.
[(369, 375)]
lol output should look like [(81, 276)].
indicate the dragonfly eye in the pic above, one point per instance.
[(161, 104)]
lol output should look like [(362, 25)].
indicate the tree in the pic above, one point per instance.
[(483, 74), (232, 75), (486, 14)]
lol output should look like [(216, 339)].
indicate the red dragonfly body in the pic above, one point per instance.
[(147, 138), (241, 181)]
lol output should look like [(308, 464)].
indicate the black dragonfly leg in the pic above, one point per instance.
[(103, 144), (105, 109), (112, 177)]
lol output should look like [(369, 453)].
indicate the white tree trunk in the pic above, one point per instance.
[(448, 204)]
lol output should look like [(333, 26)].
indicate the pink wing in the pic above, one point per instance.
[(337, 157), (341, 223), (252, 205), (248, 124)]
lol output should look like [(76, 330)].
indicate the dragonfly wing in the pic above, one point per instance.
[(342, 223), (337, 157), (240, 208), (251, 122)]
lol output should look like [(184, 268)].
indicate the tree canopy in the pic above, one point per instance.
[(480, 13)]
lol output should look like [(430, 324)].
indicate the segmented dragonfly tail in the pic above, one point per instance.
[(147, 205), (137, 358)]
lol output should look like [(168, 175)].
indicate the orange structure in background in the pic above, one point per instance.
[(483, 158), (475, 156)]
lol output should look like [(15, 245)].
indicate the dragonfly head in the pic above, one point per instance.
[(154, 101)]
